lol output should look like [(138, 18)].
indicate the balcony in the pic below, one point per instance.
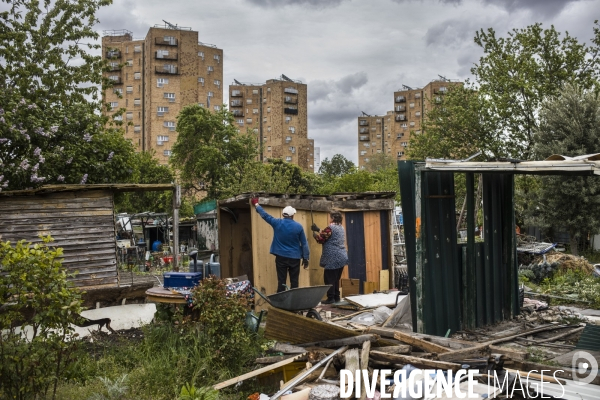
[(166, 41), (290, 100), (161, 56), (364, 130), (363, 122), (363, 137), (400, 117), (113, 54), (237, 113), (166, 69), (400, 99), (400, 108), (290, 110), (115, 80), (114, 67), (290, 90), (236, 93), (236, 103)]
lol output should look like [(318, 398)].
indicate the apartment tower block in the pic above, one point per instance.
[(155, 77), (276, 112)]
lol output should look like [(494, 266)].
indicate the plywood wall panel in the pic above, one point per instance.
[(372, 245)]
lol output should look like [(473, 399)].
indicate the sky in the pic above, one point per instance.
[(352, 54)]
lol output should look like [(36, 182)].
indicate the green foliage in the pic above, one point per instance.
[(51, 128), (36, 298), (146, 170), (380, 161), (338, 166), (574, 284), (113, 389), (570, 126), (499, 113), (189, 392), (209, 151)]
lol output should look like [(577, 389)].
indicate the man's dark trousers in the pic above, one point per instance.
[(285, 264)]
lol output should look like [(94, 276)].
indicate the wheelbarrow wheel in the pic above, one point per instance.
[(314, 314)]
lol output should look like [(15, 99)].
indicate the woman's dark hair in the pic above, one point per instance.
[(336, 216)]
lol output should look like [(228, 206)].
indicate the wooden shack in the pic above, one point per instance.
[(245, 238), (80, 218)]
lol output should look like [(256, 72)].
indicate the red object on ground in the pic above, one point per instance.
[(168, 259)]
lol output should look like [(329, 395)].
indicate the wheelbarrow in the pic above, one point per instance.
[(298, 299)]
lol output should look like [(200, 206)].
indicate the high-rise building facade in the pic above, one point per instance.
[(392, 137), (276, 112), (155, 77)]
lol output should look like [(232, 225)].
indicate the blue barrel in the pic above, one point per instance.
[(156, 245)]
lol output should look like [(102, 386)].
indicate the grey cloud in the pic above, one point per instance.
[(121, 16), (302, 3), (322, 90), (332, 115), (450, 32), (546, 8), (440, 1)]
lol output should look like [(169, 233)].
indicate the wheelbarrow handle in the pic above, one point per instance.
[(262, 295)]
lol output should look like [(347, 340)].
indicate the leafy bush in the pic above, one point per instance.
[(37, 306), (577, 285)]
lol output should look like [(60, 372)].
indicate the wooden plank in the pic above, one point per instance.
[(289, 327), (513, 354), (449, 343), (352, 363), (370, 287), (384, 279), (354, 340), (275, 359), (420, 343), (264, 273), (87, 189), (256, 372), (350, 287), (315, 271), (303, 218), (400, 349), (372, 221), (346, 271), (416, 361), (463, 354)]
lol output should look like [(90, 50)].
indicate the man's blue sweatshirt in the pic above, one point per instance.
[(289, 239)]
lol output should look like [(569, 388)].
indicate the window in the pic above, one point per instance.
[(170, 39), (412, 105), (417, 95), (241, 122), (114, 78), (398, 136), (249, 120), (170, 96), (118, 91), (412, 124), (130, 63), (288, 119), (217, 83), (137, 49), (255, 111), (404, 125), (129, 89), (211, 94), (137, 128), (114, 104), (170, 68), (129, 116), (418, 114), (201, 54), (162, 53), (210, 69), (160, 111), (366, 160), (236, 93), (268, 89), (201, 105), (443, 89), (170, 125), (114, 65), (162, 138), (377, 121), (255, 91), (292, 149), (363, 152), (268, 129), (167, 153), (217, 57), (288, 158), (201, 80), (404, 144), (126, 49), (268, 109), (265, 119), (400, 153), (217, 108), (268, 148), (292, 129), (288, 139), (137, 75), (118, 118), (160, 82)]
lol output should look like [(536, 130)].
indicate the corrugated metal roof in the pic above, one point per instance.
[(114, 187)]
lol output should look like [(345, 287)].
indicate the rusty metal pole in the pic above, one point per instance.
[(176, 205)]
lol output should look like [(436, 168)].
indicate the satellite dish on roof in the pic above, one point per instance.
[(286, 78), (365, 114), (444, 78), (170, 25), (406, 87), (238, 82)]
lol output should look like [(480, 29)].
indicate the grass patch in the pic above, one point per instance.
[(576, 285)]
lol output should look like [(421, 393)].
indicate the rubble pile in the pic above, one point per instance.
[(546, 265)]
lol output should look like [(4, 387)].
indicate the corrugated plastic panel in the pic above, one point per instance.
[(355, 237)]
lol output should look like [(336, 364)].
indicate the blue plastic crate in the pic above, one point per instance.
[(181, 279)]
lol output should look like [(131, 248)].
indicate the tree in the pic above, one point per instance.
[(338, 166), (276, 176), (145, 170), (569, 125), (51, 128), (499, 113), (210, 153), (380, 161)]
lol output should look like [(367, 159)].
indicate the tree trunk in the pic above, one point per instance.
[(573, 243)]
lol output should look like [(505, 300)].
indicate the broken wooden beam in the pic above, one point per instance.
[(463, 354), (275, 359), (420, 343), (354, 340), (416, 361), (287, 349), (451, 344), (400, 349)]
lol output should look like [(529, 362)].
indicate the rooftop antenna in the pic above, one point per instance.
[(286, 78), (238, 82), (406, 87), (170, 25), (443, 78), (365, 114)]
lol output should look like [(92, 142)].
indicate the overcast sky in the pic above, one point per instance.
[(352, 54)]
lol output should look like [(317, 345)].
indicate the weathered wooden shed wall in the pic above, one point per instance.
[(245, 238), (81, 222)]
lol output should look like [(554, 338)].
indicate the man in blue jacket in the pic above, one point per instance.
[(289, 245)]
